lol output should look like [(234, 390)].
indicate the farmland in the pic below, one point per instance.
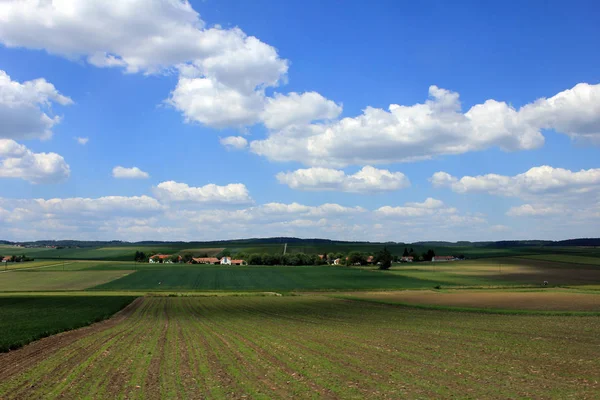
[(479, 328), (261, 278), (549, 300), (24, 319), (306, 347), (55, 280)]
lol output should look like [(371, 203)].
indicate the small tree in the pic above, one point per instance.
[(406, 253), (175, 258), (187, 258), (385, 258)]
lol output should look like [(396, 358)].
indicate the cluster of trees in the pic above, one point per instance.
[(426, 256), (21, 258), (278, 259), (140, 256)]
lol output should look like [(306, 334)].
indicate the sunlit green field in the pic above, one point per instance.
[(43, 280), (566, 258)]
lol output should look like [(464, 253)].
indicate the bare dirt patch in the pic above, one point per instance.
[(540, 301)]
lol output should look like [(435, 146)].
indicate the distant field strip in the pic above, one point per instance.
[(56, 280), (261, 278), (566, 258), (27, 318), (309, 347), (541, 301)]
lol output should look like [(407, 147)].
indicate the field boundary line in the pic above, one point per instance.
[(37, 267), (498, 311)]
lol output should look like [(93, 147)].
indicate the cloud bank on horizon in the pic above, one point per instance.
[(375, 167)]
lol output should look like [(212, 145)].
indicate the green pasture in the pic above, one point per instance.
[(276, 278)]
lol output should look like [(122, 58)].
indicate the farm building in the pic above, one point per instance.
[(157, 258), (370, 260), (205, 260), (6, 259), (407, 259), (442, 258), (229, 261), (337, 261)]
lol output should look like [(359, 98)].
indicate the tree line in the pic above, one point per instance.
[(15, 258)]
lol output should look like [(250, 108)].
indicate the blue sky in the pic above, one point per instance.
[(246, 119)]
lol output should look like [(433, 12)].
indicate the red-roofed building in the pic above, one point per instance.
[(164, 258), (407, 259), (205, 260)]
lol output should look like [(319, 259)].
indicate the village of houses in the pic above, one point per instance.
[(370, 260)]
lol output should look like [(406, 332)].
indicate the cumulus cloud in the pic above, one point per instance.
[(538, 180), (76, 206), (548, 191), (434, 128), (298, 108), (234, 142), (574, 112), (223, 72), (211, 103), (129, 173), (25, 108), (527, 210), (82, 140), (429, 207), (17, 161), (367, 180), (233, 193)]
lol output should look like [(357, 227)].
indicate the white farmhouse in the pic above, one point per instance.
[(226, 261)]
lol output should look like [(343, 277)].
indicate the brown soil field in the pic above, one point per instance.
[(308, 347), (553, 300)]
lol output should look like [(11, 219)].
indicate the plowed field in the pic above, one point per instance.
[(308, 347)]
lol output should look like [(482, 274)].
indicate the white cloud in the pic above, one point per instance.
[(538, 180), (17, 161), (82, 140), (367, 180), (575, 112), (129, 173), (436, 127), (234, 142), (25, 108), (211, 103), (429, 207), (233, 193), (223, 72), (527, 210), (547, 191), (294, 108), (76, 206)]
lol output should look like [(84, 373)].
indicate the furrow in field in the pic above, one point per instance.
[(258, 364), (50, 360)]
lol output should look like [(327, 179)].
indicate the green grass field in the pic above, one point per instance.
[(312, 347), (43, 280), (25, 319), (261, 279)]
